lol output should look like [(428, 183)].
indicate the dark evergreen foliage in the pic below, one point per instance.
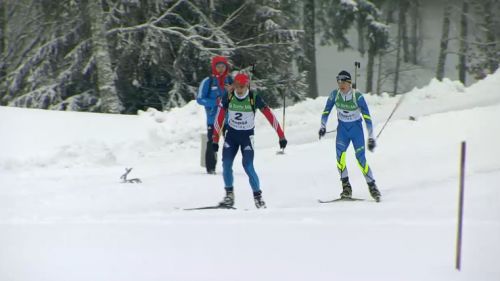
[(159, 51)]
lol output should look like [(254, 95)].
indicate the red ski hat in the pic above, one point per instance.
[(241, 79), (219, 59), (220, 77)]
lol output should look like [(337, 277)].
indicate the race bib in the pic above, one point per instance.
[(241, 120), (348, 115)]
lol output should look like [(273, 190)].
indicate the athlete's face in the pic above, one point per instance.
[(240, 89), (220, 67), (344, 86)]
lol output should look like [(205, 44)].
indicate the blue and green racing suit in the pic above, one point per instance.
[(351, 108)]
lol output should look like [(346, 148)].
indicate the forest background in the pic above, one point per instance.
[(121, 56)]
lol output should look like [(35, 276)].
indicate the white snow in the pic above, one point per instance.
[(65, 215)]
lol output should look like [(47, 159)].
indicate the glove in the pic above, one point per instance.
[(215, 147), (371, 144), (322, 132), (283, 143)]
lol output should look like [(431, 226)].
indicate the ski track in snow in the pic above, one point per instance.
[(65, 215)]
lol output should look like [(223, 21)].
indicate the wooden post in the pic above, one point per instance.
[(460, 208), (204, 140)]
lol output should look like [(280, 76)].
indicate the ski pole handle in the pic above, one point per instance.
[(357, 65)]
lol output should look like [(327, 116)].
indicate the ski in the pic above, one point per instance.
[(210, 208), (341, 199)]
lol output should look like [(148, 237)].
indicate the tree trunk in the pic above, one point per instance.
[(443, 50), (110, 102), (404, 28), (3, 35), (398, 51), (361, 36), (211, 7), (462, 66), (369, 68), (379, 73), (414, 31), (3, 52), (310, 48)]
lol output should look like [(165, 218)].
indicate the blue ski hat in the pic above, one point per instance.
[(344, 76)]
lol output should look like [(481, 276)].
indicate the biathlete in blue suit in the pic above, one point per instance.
[(351, 108), (209, 94), (240, 106)]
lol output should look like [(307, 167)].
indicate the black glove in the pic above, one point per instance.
[(215, 147), (322, 132), (283, 143), (371, 144)]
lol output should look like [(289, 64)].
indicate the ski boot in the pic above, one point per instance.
[(259, 203), (374, 192), (228, 200), (346, 189)]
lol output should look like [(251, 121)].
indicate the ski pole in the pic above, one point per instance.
[(284, 101), (390, 116), (332, 131)]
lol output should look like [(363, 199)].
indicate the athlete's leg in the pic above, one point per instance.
[(358, 141), (247, 152), (341, 144), (210, 154), (229, 150)]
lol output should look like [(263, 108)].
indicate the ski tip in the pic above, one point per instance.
[(216, 207), (341, 200)]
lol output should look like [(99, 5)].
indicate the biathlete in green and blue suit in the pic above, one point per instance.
[(351, 109)]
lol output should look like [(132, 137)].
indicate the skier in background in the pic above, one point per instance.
[(240, 106), (209, 94), (351, 107)]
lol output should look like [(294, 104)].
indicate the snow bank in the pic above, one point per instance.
[(90, 139)]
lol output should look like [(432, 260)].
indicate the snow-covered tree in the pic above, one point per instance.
[(125, 55), (338, 17), (274, 69), (309, 44), (47, 57), (94, 13), (484, 48)]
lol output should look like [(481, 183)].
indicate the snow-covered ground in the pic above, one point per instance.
[(65, 215)]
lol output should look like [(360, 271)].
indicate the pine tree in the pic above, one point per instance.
[(377, 34), (484, 49), (38, 53), (121, 56), (338, 17), (309, 43)]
